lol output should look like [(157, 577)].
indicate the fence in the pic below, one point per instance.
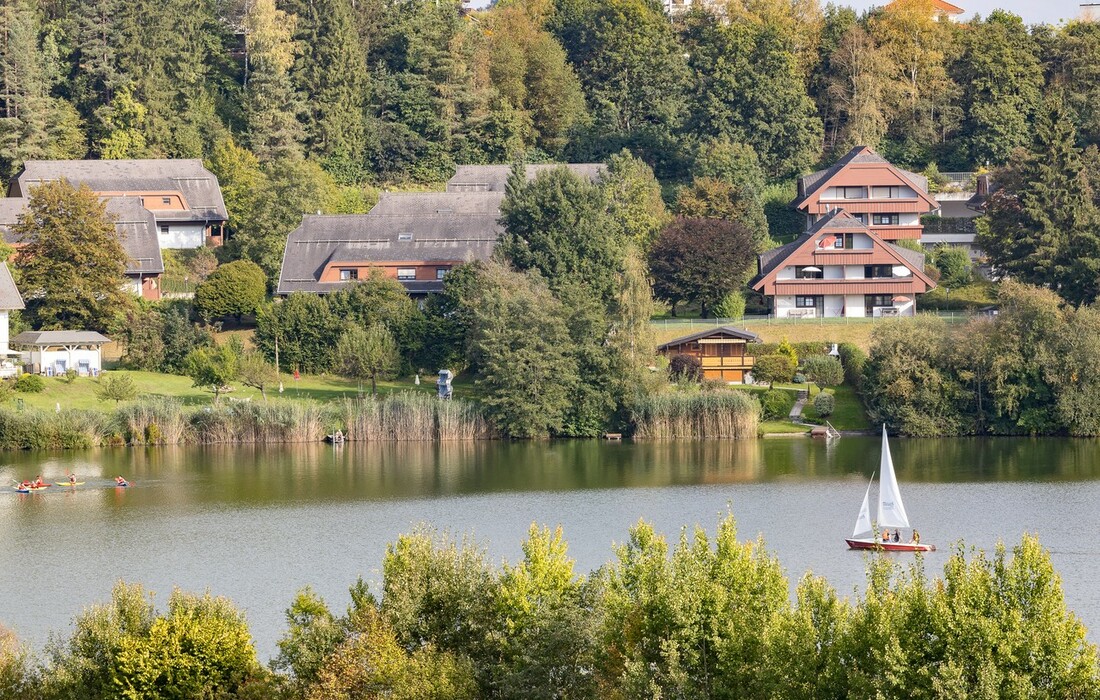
[(690, 325)]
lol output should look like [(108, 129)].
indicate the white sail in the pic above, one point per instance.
[(891, 511), (863, 520)]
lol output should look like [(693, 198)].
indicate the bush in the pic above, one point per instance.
[(854, 360), (685, 368), (824, 404), (824, 370), (732, 306), (233, 289), (777, 403), (799, 378), (30, 384)]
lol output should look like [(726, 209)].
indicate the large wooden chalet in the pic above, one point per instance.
[(721, 351), (887, 199), (840, 267)]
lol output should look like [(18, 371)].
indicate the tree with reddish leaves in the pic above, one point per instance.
[(700, 260)]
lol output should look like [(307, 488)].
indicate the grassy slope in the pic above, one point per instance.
[(848, 413), (81, 392)]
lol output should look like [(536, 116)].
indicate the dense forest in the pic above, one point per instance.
[(395, 91)]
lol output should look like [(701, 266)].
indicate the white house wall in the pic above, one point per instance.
[(854, 306), (181, 236)]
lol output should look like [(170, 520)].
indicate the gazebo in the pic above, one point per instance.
[(54, 352)]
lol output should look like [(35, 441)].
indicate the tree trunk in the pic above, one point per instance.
[(373, 385)]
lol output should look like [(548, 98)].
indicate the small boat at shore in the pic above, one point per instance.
[(891, 512)]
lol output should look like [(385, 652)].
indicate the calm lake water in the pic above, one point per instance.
[(255, 524)]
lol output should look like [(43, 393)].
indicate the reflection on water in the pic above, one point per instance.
[(255, 522)]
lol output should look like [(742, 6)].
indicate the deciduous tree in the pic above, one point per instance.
[(369, 353), (700, 260), (233, 289), (70, 267)]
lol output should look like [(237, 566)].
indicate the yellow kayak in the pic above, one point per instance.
[(68, 483)]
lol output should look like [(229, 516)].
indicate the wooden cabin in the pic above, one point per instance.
[(720, 350)]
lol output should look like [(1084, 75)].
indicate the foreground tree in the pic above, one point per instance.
[(115, 387), (257, 372), (214, 368), (70, 267)]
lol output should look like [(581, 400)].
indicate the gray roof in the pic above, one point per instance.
[(370, 238), (135, 226), (199, 186), (429, 203), (10, 298), (494, 178), (137, 232), (43, 338), (915, 259), (720, 330), (808, 184)]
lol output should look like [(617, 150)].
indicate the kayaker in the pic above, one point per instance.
[(38, 480), (120, 481), (72, 479)]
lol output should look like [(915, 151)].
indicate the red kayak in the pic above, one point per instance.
[(31, 489), (890, 546)]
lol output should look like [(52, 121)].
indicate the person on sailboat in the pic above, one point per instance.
[(886, 535), (897, 535)]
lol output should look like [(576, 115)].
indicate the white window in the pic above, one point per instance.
[(885, 219), (852, 192), (406, 273), (349, 274), (806, 302), (440, 272), (886, 192)]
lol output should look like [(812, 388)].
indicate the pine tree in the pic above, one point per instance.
[(24, 89), (1042, 224), (332, 71), (271, 105)]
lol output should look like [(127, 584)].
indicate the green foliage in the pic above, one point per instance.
[(774, 368), (1042, 219), (305, 330), (823, 370), (15, 669), (30, 384), (271, 104), (718, 199), (115, 387), (378, 299), (634, 199), (696, 415), (785, 348), (953, 262), (70, 268), (255, 371), (854, 360), (233, 289), (213, 367), (558, 225), (777, 403), (369, 353), (824, 404), (519, 340), (731, 306)]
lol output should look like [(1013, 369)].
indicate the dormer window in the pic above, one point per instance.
[(165, 200), (404, 236), (852, 192)]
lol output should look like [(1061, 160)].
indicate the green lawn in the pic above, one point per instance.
[(81, 392), (848, 413)]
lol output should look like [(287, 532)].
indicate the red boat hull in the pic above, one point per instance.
[(890, 546)]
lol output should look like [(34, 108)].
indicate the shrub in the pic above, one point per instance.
[(685, 368), (824, 370), (773, 368), (853, 359), (731, 306), (30, 384), (70, 376), (777, 403), (233, 289), (824, 404), (799, 378)]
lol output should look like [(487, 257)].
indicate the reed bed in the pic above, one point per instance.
[(410, 416), (699, 415), (165, 421), (276, 421), (154, 421)]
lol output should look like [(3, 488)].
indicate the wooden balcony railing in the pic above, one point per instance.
[(728, 362)]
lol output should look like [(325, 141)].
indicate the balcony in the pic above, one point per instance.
[(736, 362)]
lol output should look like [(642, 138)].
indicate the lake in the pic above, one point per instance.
[(257, 523)]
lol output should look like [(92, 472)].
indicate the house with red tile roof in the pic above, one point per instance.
[(841, 267), (887, 199)]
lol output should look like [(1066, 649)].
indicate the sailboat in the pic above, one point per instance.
[(891, 511)]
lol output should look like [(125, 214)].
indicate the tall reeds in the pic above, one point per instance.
[(275, 421), (411, 416), (153, 421), (712, 414)]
